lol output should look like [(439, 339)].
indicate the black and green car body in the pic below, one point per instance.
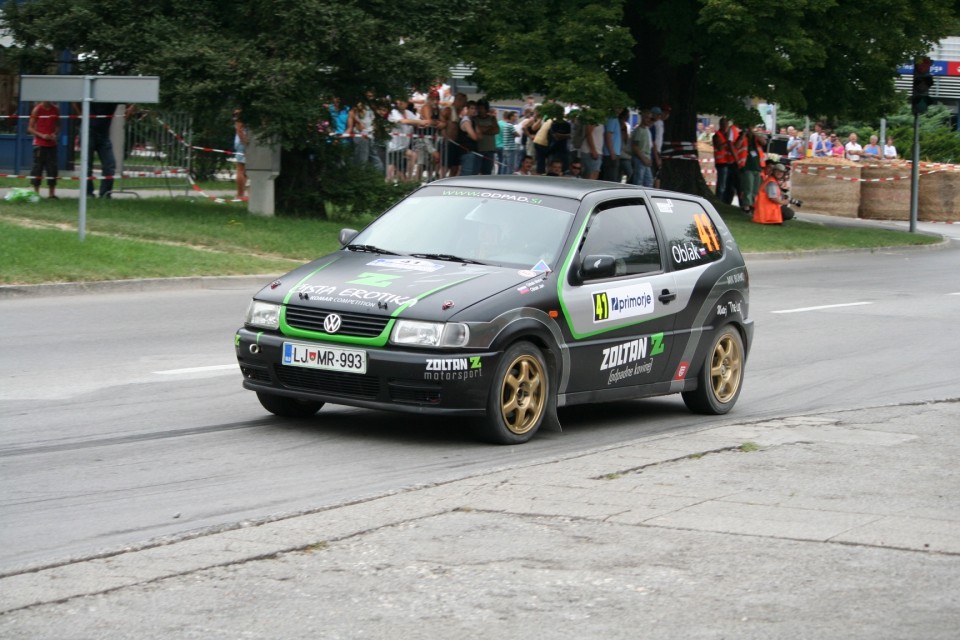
[(504, 298)]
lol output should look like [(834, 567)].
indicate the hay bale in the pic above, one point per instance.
[(827, 186), (888, 199), (939, 196), (707, 165)]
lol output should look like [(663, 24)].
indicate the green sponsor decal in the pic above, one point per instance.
[(373, 279), (475, 362), (657, 347)]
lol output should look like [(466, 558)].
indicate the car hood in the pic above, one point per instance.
[(392, 286)]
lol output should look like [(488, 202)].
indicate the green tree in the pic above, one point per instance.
[(829, 57), (278, 60)]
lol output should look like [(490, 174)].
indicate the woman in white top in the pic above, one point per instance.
[(401, 159), (890, 151), (360, 125)]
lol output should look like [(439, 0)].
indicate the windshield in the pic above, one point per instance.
[(500, 228)]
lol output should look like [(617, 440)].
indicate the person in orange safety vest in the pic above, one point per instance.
[(768, 208), (725, 154)]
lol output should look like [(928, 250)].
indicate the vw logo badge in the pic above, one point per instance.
[(331, 324)]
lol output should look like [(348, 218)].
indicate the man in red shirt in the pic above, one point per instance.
[(44, 125)]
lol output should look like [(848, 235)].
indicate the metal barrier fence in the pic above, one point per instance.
[(156, 153)]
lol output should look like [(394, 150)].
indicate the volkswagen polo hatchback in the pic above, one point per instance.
[(504, 298)]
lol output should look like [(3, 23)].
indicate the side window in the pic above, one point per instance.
[(691, 237), (624, 230)]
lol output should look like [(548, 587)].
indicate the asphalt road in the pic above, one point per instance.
[(123, 417)]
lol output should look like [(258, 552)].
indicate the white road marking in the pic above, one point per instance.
[(826, 306), (216, 367)]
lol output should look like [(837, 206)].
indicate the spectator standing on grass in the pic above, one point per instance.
[(449, 127), (853, 149), (44, 125), (625, 170), (821, 146), (530, 125), (641, 145), (770, 199), (610, 167), (508, 132), (657, 130), (425, 145), (339, 116), (401, 158), (561, 132), (575, 170), (872, 150), (487, 128), (591, 150), (360, 126), (467, 141), (241, 138), (836, 147), (101, 114), (725, 160), (526, 167), (541, 144), (794, 144), (890, 151), (752, 168)]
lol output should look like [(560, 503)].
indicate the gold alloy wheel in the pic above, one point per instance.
[(726, 368), (522, 395)]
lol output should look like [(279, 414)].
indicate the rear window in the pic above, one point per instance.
[(691, 237)]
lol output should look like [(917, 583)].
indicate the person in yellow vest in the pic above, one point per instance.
[(768, 208)]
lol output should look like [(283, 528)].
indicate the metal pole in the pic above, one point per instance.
[(883, 136), (84, 153), (915, 175)]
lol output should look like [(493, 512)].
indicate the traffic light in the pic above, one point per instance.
[(922, 82)]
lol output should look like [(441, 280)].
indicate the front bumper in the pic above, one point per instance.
[(414, 381)]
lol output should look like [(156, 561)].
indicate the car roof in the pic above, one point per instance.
[(545, 185)]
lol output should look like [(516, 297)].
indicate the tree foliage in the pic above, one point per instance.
[(280, 61), (824, 57), (277, 59)]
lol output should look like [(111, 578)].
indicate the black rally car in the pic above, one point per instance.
[(506, 297)]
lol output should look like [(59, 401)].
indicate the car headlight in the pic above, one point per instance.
[(430, 334), (264, 315)]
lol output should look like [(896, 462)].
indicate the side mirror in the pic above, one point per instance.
[(346, 236), (597, 266)]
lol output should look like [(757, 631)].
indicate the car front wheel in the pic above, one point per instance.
[(288, 407), (720, 377), (518, 397)]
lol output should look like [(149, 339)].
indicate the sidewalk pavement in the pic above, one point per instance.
[(837, 525)]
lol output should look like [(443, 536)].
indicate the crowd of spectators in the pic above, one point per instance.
[(437, 134)]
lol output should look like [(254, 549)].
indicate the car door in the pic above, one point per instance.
[(621, 322)]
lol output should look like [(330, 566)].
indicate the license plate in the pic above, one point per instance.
[(330, 358)]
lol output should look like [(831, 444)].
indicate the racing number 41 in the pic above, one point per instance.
[(708, 236), (601, 309)]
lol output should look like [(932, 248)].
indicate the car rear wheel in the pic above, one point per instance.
[(288, 407), (720, 377), (518, 397)]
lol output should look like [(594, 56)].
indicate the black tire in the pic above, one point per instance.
[(519, 396), (288, 407), (721, 376)]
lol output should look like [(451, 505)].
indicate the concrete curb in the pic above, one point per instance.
[(251, 282)]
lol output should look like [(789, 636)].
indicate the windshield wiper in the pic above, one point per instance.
[(445, 256), (369, 248)]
